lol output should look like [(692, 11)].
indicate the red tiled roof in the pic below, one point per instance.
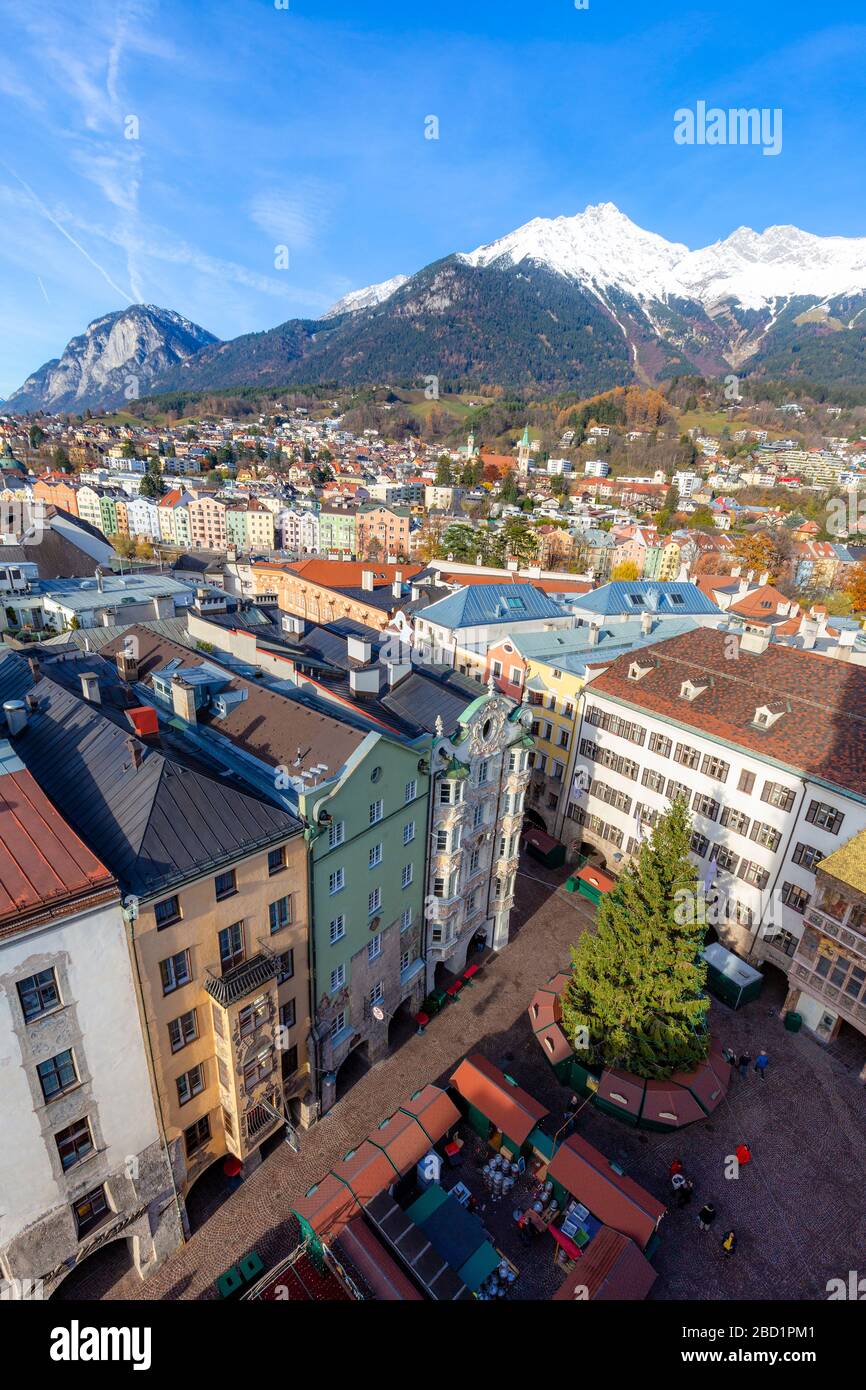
[(44, 866), (345, 574), (616, 1200), (612, 1268), (511, 1109), (824, 733)]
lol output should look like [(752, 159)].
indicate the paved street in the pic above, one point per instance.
[(797, 1208)]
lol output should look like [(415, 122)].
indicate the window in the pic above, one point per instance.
[(336, 881), (408, 832), (827, 817), (483, 771), (338, 1024), (290, 1062), (276, 860), (377, 993), (795, 897), (405, 919), (57, 1075), (287, 1014), (406, 876), (634, 733), (806, 855), (654, 780), (478, 816), (338, 977), (715, 768), (686, 756), (337, 928), (705, 806), (189, 1084), (225, 885), (374, 857), (74, 1143), (197, 1135), (677, 789), (228, 1123), (699, 844), (441, 841), (746, 782), (516, 675), (661, 745), (336, 833), (474, 861), (183, 1030), (374, 901), (405, 960), (411, 790), (735, 820), (285, 966), (776, 795), (258, 1068), (90, 1210), (766, 835), (38, 994), (250, 1019), (280, 914), (725, 858), (231, 940), (166, 912), (753, 873), (376, 811), (374, 946)]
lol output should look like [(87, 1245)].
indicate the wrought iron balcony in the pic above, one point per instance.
[(243, 979)]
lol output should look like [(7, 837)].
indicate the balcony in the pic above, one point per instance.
[(830, 926), (820, 988), (248, 977)]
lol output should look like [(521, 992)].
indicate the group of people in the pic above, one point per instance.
[(682, 1189), (741, 1063)]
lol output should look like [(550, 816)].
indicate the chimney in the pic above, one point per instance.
[(99, 584), (367, 581), (135, 752), (646, 623), (397, 671), (183, 699), (397, 588), (90, 687), (33, 663), (16, 716), (765, 578), (127, 666), (592, 635), (756, 642)]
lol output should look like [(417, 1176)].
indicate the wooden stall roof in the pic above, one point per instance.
[(329, 1207), (612, 1268), (614, 1199), (402, 1138), (511, 1109), (367, 1170), (435, 1111), (375, 1264)]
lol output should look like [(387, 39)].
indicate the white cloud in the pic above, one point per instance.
[(293, 217)]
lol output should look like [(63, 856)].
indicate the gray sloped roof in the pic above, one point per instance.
[(154, 825)]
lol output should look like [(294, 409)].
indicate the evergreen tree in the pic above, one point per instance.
[(637, 982)]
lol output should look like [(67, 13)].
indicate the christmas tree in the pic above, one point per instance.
[(636, 996)]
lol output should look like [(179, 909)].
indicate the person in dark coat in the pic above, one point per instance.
[(706, 1216), (745, 1059)]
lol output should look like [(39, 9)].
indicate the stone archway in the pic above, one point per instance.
[(98, 1273)]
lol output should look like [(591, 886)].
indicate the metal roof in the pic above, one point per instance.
[(492, 603), (644, 595)]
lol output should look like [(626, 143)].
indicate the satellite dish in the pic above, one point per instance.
[(378, 1013)]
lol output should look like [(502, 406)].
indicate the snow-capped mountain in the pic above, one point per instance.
[(364, 299), (114, 360), (578, 303), (605, 249)]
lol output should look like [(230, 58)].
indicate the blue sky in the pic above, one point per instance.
[(260, 127)]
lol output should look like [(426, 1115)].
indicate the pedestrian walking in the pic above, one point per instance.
[(684, 1196), (730, 1056), (678, 1182), (745, 1059), (744, 1154), (706, 1216), (762, 1061), (729, 1243), (676, 1167)]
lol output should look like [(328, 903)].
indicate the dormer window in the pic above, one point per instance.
[(690, 691), (637, 672), (765, 716)]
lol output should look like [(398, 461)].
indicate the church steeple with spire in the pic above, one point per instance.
[(523, 452)]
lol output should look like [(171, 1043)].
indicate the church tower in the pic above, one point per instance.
[(523, 450)]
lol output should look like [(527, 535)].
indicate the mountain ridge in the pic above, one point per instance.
[(579, 302)]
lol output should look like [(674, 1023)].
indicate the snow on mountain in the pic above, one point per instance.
[(600, 247), (365, 299), (603, 249), (756, 267)]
